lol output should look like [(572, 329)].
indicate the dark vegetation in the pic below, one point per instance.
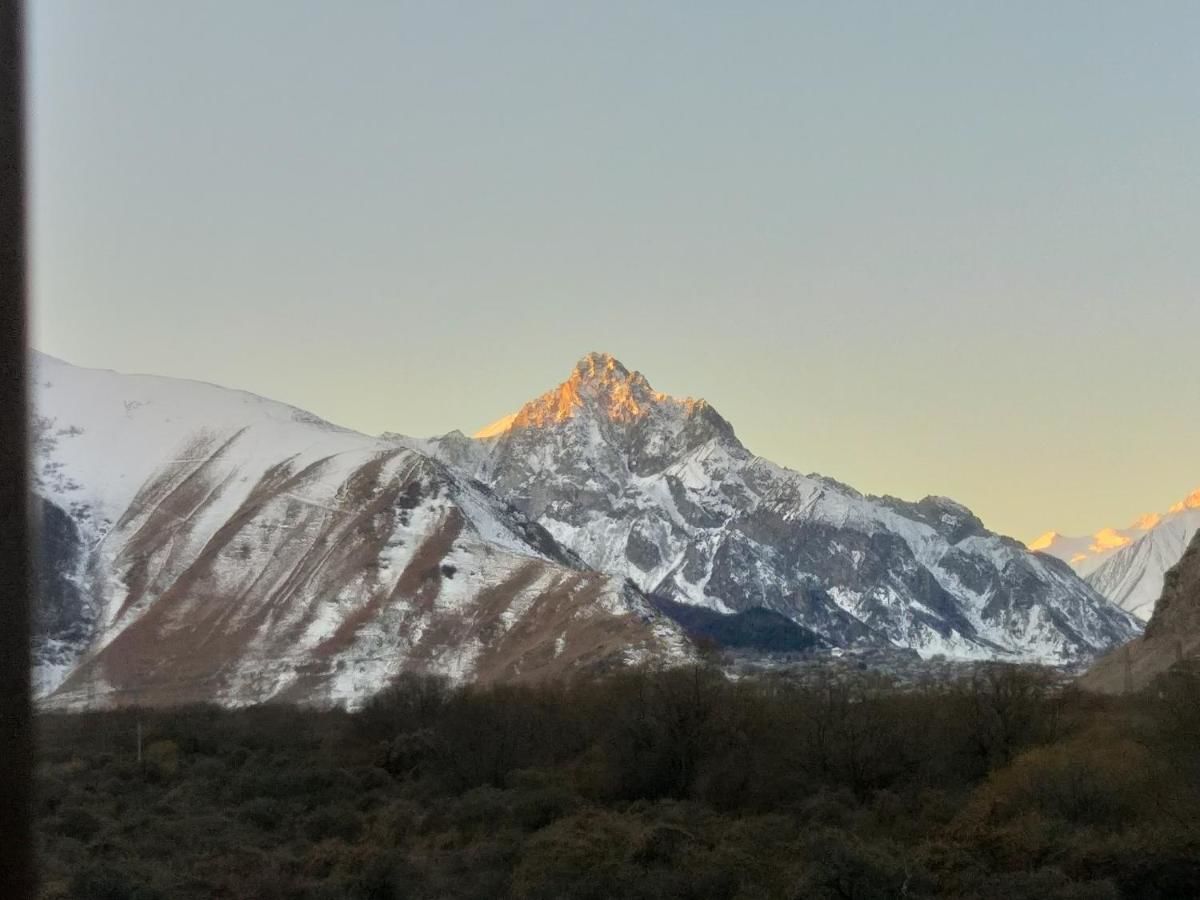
[(675, 784)]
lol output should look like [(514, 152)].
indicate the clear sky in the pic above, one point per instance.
[(922, 247)]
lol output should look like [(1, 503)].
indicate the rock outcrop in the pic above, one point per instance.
[(1173, 633)]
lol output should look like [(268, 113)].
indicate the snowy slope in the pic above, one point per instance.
[(1086, 553), (208, 544), (1133, 576), (1127, 565), (99, 435), (659, 489)]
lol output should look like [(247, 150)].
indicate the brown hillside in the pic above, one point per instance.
[(1172, 634)]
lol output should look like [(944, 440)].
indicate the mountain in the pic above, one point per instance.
[(1085, 553), (207, 544), (1128, 565), (659, 489), (1133, 576), (1172, 634), (200, 543)]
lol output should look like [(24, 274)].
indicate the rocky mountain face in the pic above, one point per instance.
[(1128, 565), (206, 544), (200, 543), (1172, 634), (660, 490)]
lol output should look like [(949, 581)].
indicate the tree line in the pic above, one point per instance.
[(645, 783)]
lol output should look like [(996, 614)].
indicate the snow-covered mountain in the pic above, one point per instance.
[(1086, 553), (1127, 565), (659, 489), (207, 544), (201, 543), (1133, 576)]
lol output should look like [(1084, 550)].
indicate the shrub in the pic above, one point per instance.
[(77, 822), (642, 784), (267, 813), (162, 759), (534, 808), (837, 864), (1083, 782), (102, 881), (587, 856), (340, 821)]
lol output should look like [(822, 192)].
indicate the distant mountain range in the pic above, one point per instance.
[(1127, 565), (207, 544)]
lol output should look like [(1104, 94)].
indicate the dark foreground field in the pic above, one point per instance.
[(645, 785)]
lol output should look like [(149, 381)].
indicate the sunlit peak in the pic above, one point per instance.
[(499, 427), (599, 364), (1191, 501), (600, 383), (1108, 539), (1043, 541), (1146, 522)]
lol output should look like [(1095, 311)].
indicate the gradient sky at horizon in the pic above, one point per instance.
[(942, 248)]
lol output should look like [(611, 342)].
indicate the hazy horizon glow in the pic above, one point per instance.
[(929, 248)]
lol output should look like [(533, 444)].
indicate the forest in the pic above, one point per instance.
[(667, 783)]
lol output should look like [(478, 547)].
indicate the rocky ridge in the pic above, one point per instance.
[(660, 489)]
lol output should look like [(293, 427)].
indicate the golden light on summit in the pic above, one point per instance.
[(1146, 522), (1043, 541), (621, 395), (499, 427), (1191, 501), (1108, 539)]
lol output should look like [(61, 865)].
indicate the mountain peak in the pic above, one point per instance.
[(596, 365), (1191, 501), (1109, 539), (1043, 541), (599, 384), (1145, 522)]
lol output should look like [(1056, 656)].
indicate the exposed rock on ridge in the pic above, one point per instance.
[(660, 489)]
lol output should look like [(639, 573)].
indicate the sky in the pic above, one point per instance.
[(925, 248)]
